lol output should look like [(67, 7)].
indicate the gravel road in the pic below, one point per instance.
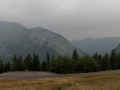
[(42, 75)]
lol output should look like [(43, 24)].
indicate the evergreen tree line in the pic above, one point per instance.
[(86, 64), (4, 67), (63, 64), (29, 63)]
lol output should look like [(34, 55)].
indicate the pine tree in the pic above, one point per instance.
[(118, 61), (113, 59), (14, 63), (2, 69), (28, 63), (36, 62), (75, 55), (59, 56), (53, 57), (106, 62), (17, 63), (99, 60), (95, 56), (7, 66), (21, 63), (47, 61), (43, 66)]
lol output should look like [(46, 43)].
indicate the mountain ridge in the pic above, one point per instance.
[(18, 39), (100, 45)]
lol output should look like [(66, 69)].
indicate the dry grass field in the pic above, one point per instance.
[(110, 81)]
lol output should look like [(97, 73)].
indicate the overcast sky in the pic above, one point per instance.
[(73, 19)]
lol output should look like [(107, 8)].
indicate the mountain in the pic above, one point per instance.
[(100, 45), (17, 39), (117, 49)]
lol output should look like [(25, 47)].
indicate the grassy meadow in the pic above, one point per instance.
[(91, 82)]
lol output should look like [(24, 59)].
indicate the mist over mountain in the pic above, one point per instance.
[(17, 39), (100, 45)]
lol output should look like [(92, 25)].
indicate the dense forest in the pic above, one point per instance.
[(63, 64)]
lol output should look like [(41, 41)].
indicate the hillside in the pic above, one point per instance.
[(118, 48), (17, 39)]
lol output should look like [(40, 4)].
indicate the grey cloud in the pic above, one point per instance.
[(73, 19)]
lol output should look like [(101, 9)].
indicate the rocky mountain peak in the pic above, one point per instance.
[(17, 39)]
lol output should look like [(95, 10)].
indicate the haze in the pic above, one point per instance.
[(73, 19)]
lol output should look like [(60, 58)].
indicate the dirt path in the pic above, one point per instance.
[(42, 75)]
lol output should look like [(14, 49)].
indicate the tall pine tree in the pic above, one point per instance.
[(47, 61), (113, 59), (43, 66), (28, 63), (75, 55), (14, 63), (36, 62)]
